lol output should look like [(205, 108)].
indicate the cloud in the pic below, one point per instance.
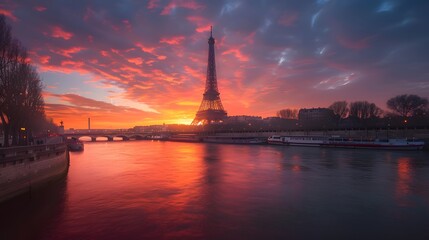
[(40, 8), (269, 54), (187, 4), (73, 107), (58, 32), (237, 53), (8, 14), (176, 40)]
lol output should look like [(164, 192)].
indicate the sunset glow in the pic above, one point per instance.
[(144, 62)]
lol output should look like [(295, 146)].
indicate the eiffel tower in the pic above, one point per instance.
[(211, 109)]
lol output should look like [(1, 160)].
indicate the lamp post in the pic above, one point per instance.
[(405, 127), (22, 136)]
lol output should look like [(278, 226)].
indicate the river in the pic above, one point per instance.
[(173, 190)]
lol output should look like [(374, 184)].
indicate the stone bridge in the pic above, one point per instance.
[(373, 133), (125, 136)]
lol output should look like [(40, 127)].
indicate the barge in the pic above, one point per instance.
[(234, 140), (339, 142)]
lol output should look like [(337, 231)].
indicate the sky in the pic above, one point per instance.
[(135, 63)]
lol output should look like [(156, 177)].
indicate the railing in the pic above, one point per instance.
[(31, 153)]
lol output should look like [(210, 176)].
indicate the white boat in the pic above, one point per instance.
[(275, 139), (338, 142), (311, 141), (234, 140), (395, 144), (158, 137)]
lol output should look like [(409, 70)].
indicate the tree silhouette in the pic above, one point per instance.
[(288, 113), (21, 101), (340, 108), (407, 105), (364, 110)]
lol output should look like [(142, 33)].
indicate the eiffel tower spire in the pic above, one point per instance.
[(211, 109)]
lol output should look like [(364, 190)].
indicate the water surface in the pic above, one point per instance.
[(171, 190)]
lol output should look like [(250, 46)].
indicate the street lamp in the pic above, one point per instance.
[(405, 128)]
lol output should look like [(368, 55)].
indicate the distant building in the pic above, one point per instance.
[(316, 118), (61, 129), (151, 128), (242, 118)]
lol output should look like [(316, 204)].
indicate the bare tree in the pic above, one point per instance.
[(5, 60), (407, 105), (21, 101), (340, 108), (288, 113), (364, 110)]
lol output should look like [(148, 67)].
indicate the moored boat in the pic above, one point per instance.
[(160, 137), (339, 142), (234, 140), (75, 145), (275, 139), (394, 144), (311, 141), (185, 138)]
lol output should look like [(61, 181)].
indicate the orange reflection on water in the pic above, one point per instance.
[(296, 168), (296, 163), (164, 186), (403, 181)]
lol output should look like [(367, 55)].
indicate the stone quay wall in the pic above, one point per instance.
[(23, 169)]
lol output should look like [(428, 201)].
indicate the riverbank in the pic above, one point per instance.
[(23, 169)]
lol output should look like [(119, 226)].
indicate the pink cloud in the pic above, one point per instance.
[(8, 14), (237, 53), (58, 32), (52, 68), (44, 59), (68, 52), (136, 61), (153, 4), (197, 74), (72, 64), (161, 57), (176, 40), (145, 48), (204, 28), (104, 53), (188, 4), (203, 24), (40, 8)]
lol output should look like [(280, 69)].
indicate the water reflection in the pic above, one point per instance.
[(166, 190), (404, 175), (31, 216)]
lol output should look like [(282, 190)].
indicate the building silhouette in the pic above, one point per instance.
[(316, 118), (211, 109)]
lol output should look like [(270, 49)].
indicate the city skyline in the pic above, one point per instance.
[(128, 64)]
